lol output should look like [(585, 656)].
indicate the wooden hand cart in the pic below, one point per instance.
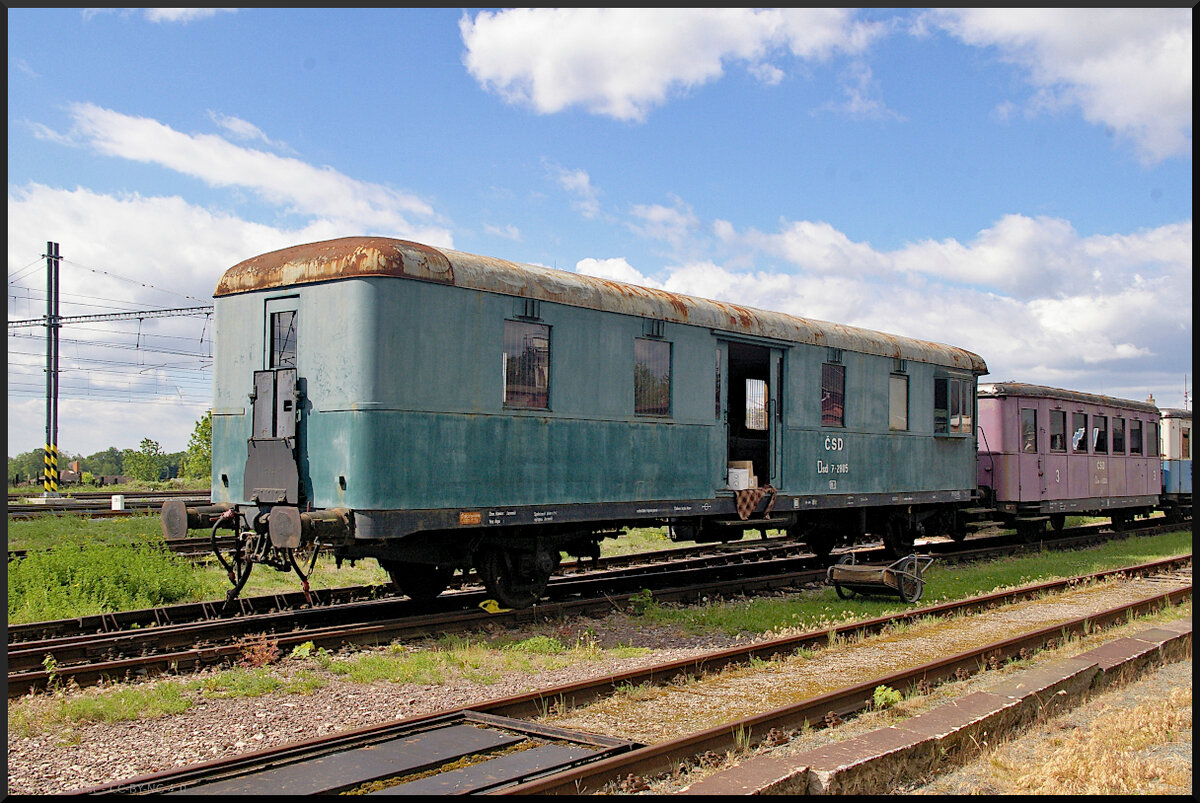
[(902, 577)]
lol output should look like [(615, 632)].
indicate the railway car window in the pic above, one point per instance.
[(1135, 437), (1185, 444), (967, 425), (283, 339), (1118, 436), (651, 377), (526, 365), (1058, 431), (898, 402), (1151, 439), (1029, 431), (941, 405), (953, 406), (756, 404), (1079, 438), (1100, 434), (833, 395)]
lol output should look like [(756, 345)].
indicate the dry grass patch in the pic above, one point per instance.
[(1108, 755)]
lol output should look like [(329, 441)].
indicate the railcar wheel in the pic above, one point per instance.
[(1058, 521), (515, 578), (1121, 521), (419, 581), (910, 582), (819, 540), (1030, 532)]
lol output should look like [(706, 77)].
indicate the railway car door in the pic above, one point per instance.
[(1032, 457), (1056, 455), (775, 399), (272, 474), (751, 411)]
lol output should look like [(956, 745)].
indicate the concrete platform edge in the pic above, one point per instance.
[(873, 762)]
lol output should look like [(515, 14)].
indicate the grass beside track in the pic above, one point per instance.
[(943, 583), (80, 567), (482, 657), (110, 565)]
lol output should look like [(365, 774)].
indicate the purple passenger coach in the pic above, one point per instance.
[(1046, 452)]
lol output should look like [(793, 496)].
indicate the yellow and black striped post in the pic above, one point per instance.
[(50, 477)]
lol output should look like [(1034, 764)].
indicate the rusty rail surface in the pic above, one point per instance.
[(169, 640), (662, 757)]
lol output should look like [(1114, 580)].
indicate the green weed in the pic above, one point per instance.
[(886, 697), (79, 578)]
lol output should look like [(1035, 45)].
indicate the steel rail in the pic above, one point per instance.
[(974, 548), (662, 757), (88, 659)]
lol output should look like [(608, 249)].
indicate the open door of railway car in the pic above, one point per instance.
[(751, 409)]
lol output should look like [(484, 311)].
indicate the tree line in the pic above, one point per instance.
[(148, 463)]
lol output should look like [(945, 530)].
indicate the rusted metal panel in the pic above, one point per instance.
[(353, 257), (344, 258)]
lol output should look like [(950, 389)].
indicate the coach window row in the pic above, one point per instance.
[(1099, 434), (525, 369), (833, 397)]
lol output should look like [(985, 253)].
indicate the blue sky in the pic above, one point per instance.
[(1017, 183)]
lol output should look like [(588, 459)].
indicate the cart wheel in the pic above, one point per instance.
[(910, 583), (844, 593)]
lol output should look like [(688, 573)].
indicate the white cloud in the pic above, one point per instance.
[(355, 207), (130, 251), (616, 269), (579, 184), (1019, 255), (1038, 302), (119, 254), (674, 224), (862, 96), (184, 14), (507, 232), (623, 62), (238, 128), (1129, 70), (818, 247)]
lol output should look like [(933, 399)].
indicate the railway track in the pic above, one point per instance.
[(196, 548), (189, 637), (137, 644), (98, 506), (430, 754)]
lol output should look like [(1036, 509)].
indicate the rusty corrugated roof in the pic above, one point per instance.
[(1020, 389), (351, 257)]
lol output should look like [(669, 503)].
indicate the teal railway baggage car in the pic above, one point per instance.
[(442, 411)]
